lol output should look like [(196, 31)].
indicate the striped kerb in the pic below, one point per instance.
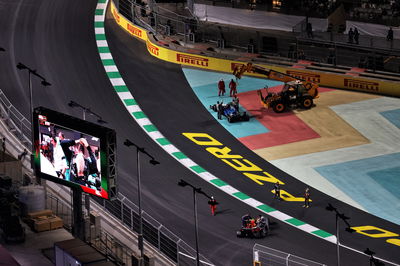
[(295, 222), (321, 233), (266, 208), (140, 117), (241, 195), (179, 155), (121, 88), (150, 128), (129, 102)]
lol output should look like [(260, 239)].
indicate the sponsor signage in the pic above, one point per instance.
[(315, 78), (192, 60), (153, 49), (361, 85), (134, 30)]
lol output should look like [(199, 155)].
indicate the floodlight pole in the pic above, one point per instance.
[(139, 150), (196, 227), (183, 183), (337, 239), (349, 229), (31, 112), (21, 66), (140, 235)]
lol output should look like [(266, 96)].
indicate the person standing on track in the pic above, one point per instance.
[(307, 197), (219, 110), (235, 102), (213, 205), (232, 86), (221, 87), (277, 190)]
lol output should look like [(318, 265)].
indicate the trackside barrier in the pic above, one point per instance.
[(324, 78), (125, 211), (265, 256)]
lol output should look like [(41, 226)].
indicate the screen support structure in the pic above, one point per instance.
[(78, 226)]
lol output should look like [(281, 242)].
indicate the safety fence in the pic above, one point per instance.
[(121, 208), (15, 121), (331, 48), (263, 255)]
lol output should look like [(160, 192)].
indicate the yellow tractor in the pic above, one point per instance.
[(296, 93)]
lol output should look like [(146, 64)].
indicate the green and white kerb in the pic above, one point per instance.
[(140, 117)]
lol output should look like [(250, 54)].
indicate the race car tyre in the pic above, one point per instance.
[(279, 107), (239, 234), (307, 102), (229, 119), (213, 107)]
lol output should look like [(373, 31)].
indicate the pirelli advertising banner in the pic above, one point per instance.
[(333, 80), (127, 25)]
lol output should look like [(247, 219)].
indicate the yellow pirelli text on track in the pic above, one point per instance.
[(237, 162)]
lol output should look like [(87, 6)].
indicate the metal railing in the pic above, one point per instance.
[(104, 242), (121, 208), (375, 53), (15, 121), (263, 255), (153, 232)]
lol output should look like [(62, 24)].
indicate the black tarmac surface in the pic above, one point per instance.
[(57, 39)]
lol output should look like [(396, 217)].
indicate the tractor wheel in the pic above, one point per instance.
[(279, 107), (307, 102)]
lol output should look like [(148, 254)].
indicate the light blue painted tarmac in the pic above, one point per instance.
[(393, 116), (204, 84), (379, 178)]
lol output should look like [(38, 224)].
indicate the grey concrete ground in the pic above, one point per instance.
[(30, 252)]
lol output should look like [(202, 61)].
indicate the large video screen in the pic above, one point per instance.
[(72, 152)]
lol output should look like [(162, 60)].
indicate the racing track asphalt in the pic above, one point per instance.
[(57, 39)]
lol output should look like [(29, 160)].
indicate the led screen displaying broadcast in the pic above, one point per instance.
[(71, 151)]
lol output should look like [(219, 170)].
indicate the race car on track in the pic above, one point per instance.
[(253, 228), (231, 112)]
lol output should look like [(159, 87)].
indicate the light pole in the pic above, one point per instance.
[(31, 72), (348, 228), (183, 183), (152, 161), (76, 193), (86, 110)]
